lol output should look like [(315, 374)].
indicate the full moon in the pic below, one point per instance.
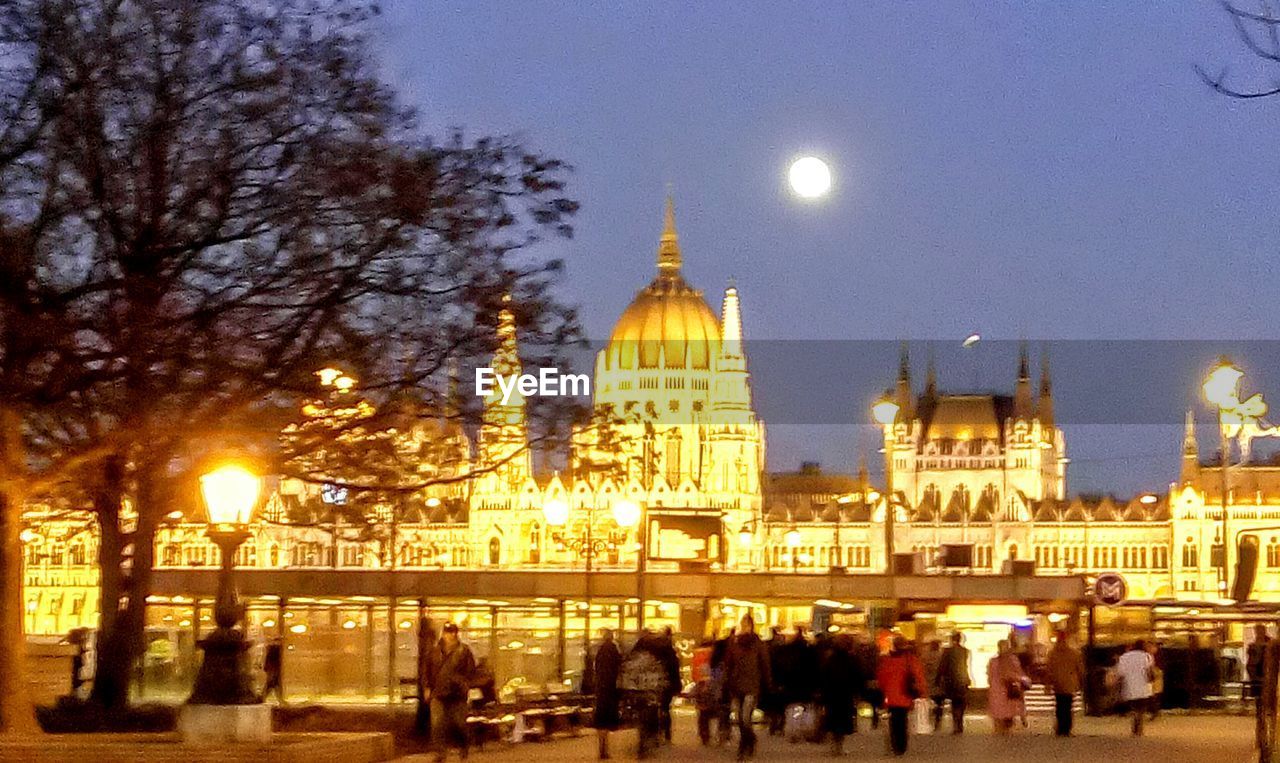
[(809, 177)]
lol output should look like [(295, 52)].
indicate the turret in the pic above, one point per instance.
[(1044, 406), (1190, 451), (1022, 409), (503, 437), (902, 396)]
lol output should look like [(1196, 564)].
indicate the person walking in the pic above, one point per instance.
[(1006, 686), (1065, 670), (837, 690), (606, 668), (747, 676), (273, 667), (1136, 670), (868, 665), (665, 651), (931, 662), (1255, 661), (954, 680), (450, 671), (901, 681)]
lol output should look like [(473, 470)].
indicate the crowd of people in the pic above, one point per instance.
[(810, 688)]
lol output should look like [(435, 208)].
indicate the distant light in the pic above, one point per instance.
[(793, 538), (299, 628), (406, 625), (971, 340), (1056, 617), (626, 513), (1221, 386), (348, 625), (175, 514), (268, 623), (433, 502), (810, 177), (1148, 499), (556, 512), (885, 412), (1024, 623)]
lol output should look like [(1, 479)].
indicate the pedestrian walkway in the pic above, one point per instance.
[(1171, 739)]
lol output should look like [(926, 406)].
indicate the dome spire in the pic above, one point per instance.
[(669, 248)]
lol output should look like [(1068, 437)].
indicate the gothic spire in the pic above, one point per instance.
[(903, 394), (1044, 406), (1190, 449), (669, 259), (1022, 393)]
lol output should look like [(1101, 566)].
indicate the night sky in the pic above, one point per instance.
[(1040, 170)]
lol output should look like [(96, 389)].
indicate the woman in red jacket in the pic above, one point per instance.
[(901, 680)]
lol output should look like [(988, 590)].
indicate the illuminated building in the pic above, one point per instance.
[(682, 462)]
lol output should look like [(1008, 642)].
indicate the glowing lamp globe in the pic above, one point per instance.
[(793, 538), (885, 412), (745, 537), (230, 494), (626, 513), (1221, 384), (809, 177), (556, 512)]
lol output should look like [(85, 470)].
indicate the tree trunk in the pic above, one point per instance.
[(107, 500), (124, 646), (17, 714)]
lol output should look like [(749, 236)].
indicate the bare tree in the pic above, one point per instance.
[(237, 201), (1259, 31)]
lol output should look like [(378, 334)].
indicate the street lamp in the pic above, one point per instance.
[(628, 513), (1221, 391), (230, 495), (885, 412)]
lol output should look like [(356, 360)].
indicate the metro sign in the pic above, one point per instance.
[(1110, 589)]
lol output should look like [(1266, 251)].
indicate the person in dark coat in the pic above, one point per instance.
[(665, 651), (450, 670), (747, 677), (837, 688), (607, 666)]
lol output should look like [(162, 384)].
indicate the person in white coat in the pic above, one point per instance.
[(1136, 670)]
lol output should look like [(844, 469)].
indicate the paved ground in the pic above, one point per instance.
[(1172, 739)]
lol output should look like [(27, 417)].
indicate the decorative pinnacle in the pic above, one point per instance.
[(669, 259)]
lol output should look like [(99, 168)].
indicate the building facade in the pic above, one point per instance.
[(679, 447)]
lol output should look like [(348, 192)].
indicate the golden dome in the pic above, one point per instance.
[(668, 324)]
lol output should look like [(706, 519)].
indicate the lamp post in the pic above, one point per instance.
[(1220, 390), (885, 412), (627, 514), (230, 495)]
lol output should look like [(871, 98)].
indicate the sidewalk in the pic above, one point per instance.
[(1172, 739)]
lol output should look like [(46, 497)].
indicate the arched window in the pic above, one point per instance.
[(495, 551), (273, 554), (1013, 550), (1190, 554)]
